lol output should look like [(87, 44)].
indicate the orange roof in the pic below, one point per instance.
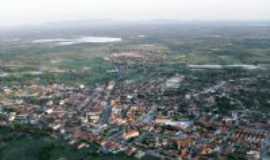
[(131, 134)]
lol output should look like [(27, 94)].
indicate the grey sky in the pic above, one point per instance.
[(17, 12)]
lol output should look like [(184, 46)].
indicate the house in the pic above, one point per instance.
[(184, 143), (111, 146), (253, 155), (110, 86), (174, 82), (131, 134), (177, 124)]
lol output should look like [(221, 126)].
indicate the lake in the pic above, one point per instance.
[(80, 40)]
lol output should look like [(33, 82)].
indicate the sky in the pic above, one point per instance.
[(23, 12)]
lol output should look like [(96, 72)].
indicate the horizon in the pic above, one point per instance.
[(77, 23), (15, 13)]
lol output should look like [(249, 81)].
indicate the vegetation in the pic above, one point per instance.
[(41, 147)]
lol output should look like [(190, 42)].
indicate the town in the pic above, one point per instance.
[(155, 90), (161, 118)]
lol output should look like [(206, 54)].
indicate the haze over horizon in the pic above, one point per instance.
[(17, 12)]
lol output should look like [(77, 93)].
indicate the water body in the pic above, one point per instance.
[(81, 40), (33, 73), (210, 66)]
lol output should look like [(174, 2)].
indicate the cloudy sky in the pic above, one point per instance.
[(18, 12)]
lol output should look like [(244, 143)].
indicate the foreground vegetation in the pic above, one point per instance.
[(14, 144)]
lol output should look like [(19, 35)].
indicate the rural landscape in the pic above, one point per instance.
[(158, 90)]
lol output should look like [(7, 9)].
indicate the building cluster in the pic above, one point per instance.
[(145, 119)]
